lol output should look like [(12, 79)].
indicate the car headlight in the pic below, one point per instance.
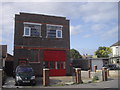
[(33, 77), (18, 78)]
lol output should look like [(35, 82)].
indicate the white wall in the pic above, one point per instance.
[(115, 51), (99, 64)]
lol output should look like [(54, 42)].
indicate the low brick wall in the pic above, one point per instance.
[(114, 73), (84, 74), (97, 73)]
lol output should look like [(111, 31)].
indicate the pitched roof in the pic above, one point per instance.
[(116, 44)]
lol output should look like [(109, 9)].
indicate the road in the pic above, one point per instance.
[(106, 85)]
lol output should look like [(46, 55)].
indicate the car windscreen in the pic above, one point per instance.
[(24, 69)]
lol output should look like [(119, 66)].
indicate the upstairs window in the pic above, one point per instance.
[(27, 31), (32, 29), (59, 33), (51, 33), (54, 31)]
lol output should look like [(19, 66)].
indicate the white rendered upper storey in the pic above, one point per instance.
[(116, 49)]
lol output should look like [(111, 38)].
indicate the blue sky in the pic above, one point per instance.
[(92, 24)]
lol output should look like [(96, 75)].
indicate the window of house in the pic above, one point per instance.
[(59, 33), (26, 31), (57, 65), (117, 60), (62, 65), (51, 33), (46, 64), (54, 31), (32, 29), (116, 51), (52, 65)]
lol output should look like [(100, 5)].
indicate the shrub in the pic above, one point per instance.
[(95, 78)]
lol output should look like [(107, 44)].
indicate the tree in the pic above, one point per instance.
[(103, 52), (74, 54)]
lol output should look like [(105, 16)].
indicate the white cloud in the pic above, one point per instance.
[(109, 34), (75, 30), (95, 13), (87, 35), (89, 12), (98, 12), (98, 27), (61, 1)]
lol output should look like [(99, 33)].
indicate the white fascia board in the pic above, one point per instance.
[(54, 25), (32, 23)]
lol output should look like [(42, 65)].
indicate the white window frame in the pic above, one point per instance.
[(64, 65), (57, 33), (54, 25), (56, 30), (29, 31), (30, 28), (32, 23)]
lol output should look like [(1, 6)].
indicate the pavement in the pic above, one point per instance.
[(111, 83)]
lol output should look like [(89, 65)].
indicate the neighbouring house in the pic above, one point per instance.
[(99, 62), (6, 60), (88, 63), (42, 41), (3, 55), (115, 57)]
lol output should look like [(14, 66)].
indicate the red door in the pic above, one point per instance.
[(55, 61)]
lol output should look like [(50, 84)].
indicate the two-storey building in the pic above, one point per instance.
[(43, 41), (115, 58)]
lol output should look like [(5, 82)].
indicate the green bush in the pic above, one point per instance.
[(95, 78)]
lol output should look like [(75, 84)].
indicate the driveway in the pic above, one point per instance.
[(111, 83), (10, 83), (54, 81)]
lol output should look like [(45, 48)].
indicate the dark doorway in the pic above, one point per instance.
[(9, 68)]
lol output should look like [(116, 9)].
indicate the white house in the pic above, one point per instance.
[(115, 58), (99, 62)]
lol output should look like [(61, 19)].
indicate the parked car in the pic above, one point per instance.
[(24, 74), (112, 66)]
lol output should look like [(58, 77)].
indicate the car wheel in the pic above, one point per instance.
[(33, 84), (17, 84)]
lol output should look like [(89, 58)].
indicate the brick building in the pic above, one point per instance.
[(43, 41)]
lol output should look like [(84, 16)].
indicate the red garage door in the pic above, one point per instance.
[(55, 61)]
